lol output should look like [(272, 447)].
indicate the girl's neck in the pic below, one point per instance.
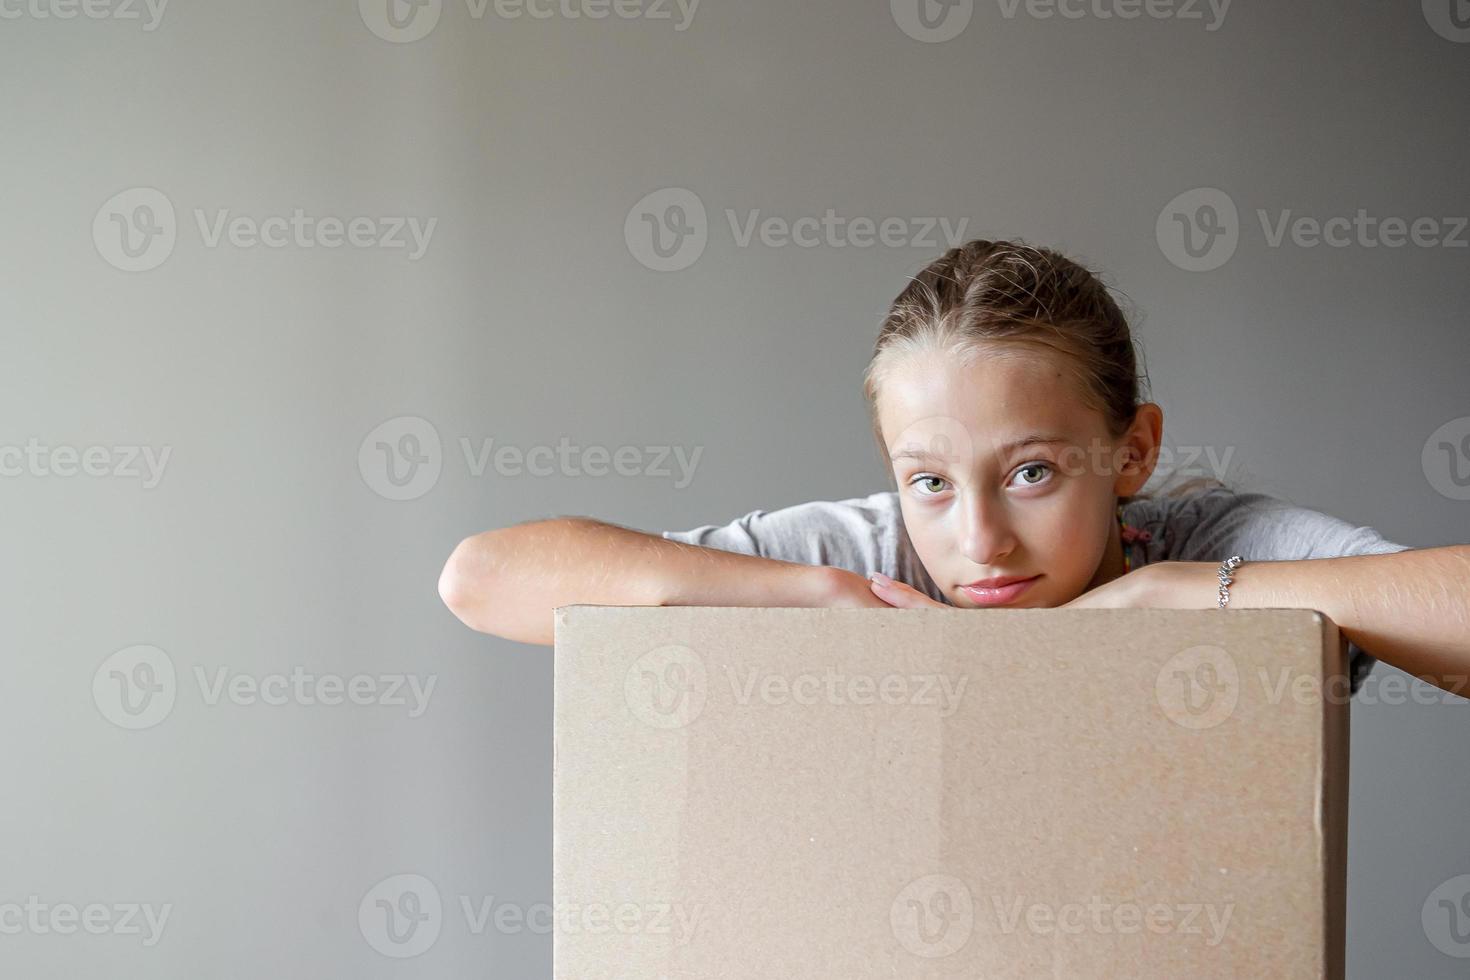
[(1111, 566)]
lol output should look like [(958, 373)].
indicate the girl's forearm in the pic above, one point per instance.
[(1410, 609), (508, 581)]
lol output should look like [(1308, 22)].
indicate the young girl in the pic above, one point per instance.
[(1005, 398)]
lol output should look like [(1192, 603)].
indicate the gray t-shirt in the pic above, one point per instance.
[(866, 535)]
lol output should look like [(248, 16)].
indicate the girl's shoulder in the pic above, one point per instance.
[(1207, 520), (863, 533), (1213, 522)]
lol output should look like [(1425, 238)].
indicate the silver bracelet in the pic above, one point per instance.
[(1226, 567)]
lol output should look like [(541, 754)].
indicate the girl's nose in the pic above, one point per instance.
[(986, 536)]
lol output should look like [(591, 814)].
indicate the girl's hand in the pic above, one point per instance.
[(1160, 585), (899, 595), (839, 588)]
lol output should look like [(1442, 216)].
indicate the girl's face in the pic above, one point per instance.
[(1003, 472)]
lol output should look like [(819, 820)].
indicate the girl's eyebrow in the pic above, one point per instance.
[(1035, 439)]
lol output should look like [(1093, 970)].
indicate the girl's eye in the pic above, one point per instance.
[(1030, 475), (1033, 468)]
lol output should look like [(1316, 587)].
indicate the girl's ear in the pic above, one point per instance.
[(1141, 443)]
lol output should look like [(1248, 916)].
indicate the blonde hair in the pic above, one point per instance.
[(987, 294)]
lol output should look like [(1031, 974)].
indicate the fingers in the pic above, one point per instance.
[(898, 594)]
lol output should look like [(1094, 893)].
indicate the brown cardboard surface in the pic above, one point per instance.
[(850, 793)]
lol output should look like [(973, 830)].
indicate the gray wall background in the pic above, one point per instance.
[(271, 541)]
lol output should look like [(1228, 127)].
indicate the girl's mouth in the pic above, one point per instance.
[(989, 595)]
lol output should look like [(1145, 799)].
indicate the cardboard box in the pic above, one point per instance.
[(776, 793)]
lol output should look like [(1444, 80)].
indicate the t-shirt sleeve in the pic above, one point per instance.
[(861, 534), (1259, 527)]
